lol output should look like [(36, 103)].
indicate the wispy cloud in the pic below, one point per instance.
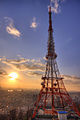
[(10, 28), (29, 66), (34, 23), (2, 72), (71, 79), (56, 5)]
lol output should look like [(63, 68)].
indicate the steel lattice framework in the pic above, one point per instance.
[(53, 95)]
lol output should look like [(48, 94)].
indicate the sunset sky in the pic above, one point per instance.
[(23, 41)]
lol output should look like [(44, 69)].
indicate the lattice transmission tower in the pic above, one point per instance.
[(53, 95)]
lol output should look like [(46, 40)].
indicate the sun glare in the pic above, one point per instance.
[(13, 76)]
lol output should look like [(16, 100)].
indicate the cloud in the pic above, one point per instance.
[(2, 72), (34, 73), (34, 23), (70, 79), (16, 61), (56, 6), (28, 66), (34, 67), (10, 28)]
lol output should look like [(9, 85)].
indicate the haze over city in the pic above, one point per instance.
[(23, 42)]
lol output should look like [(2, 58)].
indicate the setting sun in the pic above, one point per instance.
[(13, 76)]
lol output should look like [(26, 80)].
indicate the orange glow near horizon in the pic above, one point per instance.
[(18, 80)]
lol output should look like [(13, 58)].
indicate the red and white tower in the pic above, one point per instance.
[(53, 95)]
